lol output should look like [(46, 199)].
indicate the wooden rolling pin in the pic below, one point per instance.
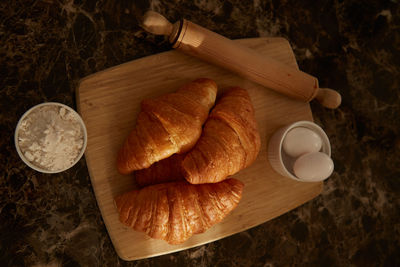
[(197, 41)]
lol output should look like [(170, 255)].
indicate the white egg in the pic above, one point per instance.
[(301, 140), (315, 166)]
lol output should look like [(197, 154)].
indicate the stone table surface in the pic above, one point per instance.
[(46, 46)]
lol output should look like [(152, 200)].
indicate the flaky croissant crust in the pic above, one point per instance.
[(230, 140), (163, 171), (175, 211), (169, 124)]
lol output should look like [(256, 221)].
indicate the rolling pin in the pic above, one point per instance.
[(209, 46)]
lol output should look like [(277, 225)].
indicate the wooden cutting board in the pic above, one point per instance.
[(109, 102)]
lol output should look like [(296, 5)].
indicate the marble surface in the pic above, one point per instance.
[(46, 46)]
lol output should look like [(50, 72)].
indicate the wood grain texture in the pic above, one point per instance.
[(109, 102)]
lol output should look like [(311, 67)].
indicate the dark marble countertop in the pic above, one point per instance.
[(46, 46)]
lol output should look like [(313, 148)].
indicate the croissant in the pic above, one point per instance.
[(166, 170), (175, 211), (230, 140), (169, 124)]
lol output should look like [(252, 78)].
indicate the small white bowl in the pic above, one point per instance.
[(282, 163), (38, 168)]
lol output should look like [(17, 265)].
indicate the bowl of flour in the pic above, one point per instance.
[(50, 137)]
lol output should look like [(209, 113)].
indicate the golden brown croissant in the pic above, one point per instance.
[(230, 140), (175, 211), (166, 125), (166, 170)]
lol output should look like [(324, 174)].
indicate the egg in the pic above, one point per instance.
[(301, 140), (315, 166)]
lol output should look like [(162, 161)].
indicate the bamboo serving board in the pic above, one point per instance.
[(109, 102)]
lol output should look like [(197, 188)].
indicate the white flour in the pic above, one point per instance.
[(51, 137)]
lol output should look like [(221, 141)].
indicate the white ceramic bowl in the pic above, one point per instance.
[(39, 168), (282, 163)]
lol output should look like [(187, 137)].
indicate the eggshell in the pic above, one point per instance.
[(315, 166), (301, 140)]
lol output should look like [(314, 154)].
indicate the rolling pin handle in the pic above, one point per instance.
[(328, 98), (156, 23)]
